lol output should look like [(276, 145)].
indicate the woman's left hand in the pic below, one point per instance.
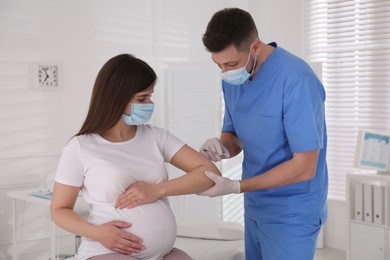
[(137, 194)]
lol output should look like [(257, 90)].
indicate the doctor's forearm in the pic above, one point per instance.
[(279, 176), (231, 142), (300, 168)]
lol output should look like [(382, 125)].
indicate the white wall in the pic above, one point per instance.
[(81, 36), (335, 229), (280, 21)]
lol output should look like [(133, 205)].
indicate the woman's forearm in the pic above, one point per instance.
[(194, 181), (194, 165), (62, 213), (111, 235), (72, 222)]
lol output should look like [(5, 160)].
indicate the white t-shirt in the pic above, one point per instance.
[(104, 169)]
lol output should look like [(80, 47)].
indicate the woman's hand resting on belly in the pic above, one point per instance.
[(112, 236), (137, 194)]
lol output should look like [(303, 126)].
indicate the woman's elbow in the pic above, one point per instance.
[(212, 168), (53, 213), (56, 212)]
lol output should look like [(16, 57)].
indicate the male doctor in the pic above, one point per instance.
[(275, 114)]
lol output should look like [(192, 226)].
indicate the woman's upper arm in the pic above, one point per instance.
[(64, 196), (188, 159)]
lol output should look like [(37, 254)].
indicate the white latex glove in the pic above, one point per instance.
[(214, 150), (222, 186)]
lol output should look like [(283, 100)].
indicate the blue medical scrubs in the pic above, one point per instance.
[(280, 112)]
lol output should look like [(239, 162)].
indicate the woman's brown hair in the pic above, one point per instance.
[(116, 84)]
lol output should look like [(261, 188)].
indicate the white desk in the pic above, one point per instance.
[(23, 196)]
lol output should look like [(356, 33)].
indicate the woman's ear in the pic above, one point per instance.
[(127, 110)]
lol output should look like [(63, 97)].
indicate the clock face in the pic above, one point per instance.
[(48, 76)]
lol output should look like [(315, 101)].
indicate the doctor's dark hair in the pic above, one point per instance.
[(116, 84), (230, 26)]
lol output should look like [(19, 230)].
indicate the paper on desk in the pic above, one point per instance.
[(42, 194)]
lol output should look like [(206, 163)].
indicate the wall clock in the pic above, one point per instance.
[(48, 76)]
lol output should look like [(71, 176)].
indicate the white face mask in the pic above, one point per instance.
[(239, 76)]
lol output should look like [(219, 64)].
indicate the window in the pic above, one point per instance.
[(233, 204), (351, 40)]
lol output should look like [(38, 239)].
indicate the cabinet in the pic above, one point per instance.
[(368, 215)]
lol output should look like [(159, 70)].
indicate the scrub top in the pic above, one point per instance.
[(280, 112)]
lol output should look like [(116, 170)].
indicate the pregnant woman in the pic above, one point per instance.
[(114, 150)]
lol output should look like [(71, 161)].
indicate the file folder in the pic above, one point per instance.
[(358, 201), (379, 197), (367, 202)]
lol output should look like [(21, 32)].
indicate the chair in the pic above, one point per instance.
[(77, 240)]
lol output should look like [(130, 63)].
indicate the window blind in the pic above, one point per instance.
[(351, 40), (189, 86)]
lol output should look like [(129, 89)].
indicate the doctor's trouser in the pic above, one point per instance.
[(280, 241)]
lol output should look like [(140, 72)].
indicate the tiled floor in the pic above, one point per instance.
[(329, 254)]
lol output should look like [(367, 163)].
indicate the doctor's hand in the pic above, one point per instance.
[(222, 186), (214, 150), (112, 236), (137, 194)]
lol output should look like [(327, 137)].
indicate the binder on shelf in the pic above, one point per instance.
[(379, 197), (367, 202), (358, 201)]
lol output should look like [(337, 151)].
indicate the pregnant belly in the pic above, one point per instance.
[(154, 223)]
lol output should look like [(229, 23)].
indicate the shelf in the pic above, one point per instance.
[(368, 239), (368, 223)]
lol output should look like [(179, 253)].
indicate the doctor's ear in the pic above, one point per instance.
[(257, 46)]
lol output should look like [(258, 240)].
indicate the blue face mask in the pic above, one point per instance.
[(140, 114), (239, 76)]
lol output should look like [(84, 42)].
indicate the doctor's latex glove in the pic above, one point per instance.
[(137, 194), (222, 186), (214, 150)]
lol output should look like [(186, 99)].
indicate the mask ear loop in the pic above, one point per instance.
[(254, 65), (255, 62)]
